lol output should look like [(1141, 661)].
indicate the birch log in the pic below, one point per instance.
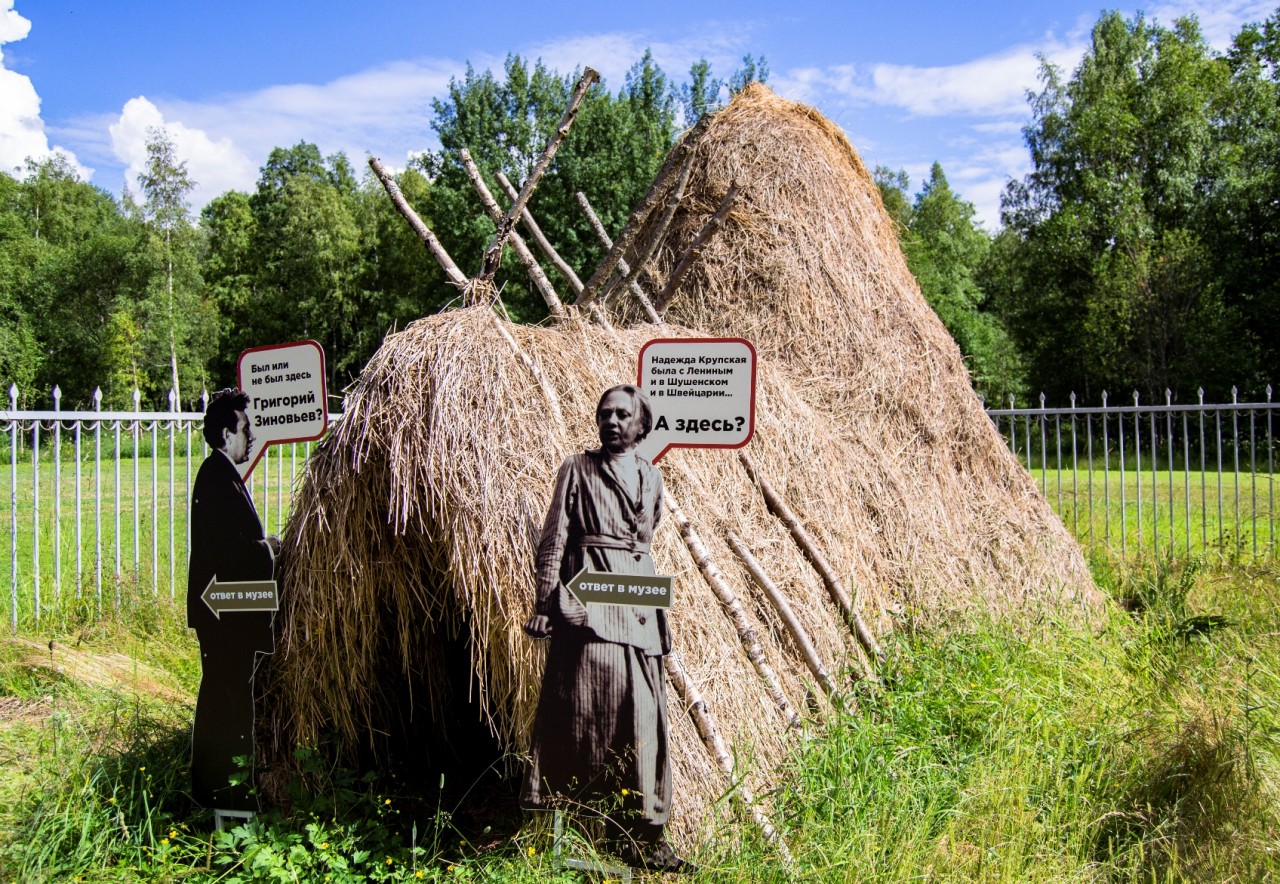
[(540, 239), (809, 547), (746, 632), (674, 161), (788, 616), (603, 235), (456, 276), (540, 281), (709, 732), (493, 256), (695, 248)]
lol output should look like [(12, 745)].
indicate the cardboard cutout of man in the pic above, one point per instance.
[(600, 731), (227, 540)]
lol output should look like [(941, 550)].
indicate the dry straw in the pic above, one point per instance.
[(417, 518)]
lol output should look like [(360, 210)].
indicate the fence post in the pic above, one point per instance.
[(57, 497), (137, 454), (35, 516), (13, 502), (97, 495), (173, 426)]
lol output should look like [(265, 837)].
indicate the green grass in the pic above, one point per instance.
[(121, 547), (1134, 515), (1144, 747)]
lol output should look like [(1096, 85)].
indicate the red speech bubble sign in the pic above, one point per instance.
[(702, 392), (287, 396)]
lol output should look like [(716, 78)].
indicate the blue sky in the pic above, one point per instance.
[(911, 81)]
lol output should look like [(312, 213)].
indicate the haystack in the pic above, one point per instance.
[(409, 557)]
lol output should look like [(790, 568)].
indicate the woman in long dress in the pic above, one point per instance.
[(600, 731)]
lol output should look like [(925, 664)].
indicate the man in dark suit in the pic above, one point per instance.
[(227, 541)]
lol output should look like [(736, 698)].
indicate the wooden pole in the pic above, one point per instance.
[(540, 239), (810, 549), (695, 248), (674, 160), (668, 213), (783, 607), (746, 632), (530, 263), (709, 732), (493, 256), (603, 235), (456, 276)]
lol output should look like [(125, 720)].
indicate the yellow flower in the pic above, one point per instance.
[(111, 800), (625, 792), (388, 801), (418, 874), (533, 851), (164, 841), (173, 833), (324, 845), (390, 860), (144, 767)]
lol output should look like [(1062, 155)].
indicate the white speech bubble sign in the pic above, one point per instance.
[(702, 392), (287, 396)]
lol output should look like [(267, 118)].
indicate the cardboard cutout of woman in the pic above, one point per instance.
[(600, 731)]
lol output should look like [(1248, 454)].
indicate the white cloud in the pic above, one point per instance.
[(991, 86), (1220, 20), (214, 166), (22, 132)]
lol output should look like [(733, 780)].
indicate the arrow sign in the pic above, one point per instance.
[(240, 596), (644, 590)]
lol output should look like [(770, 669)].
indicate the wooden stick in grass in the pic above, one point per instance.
[(788, 616), (493, 256), (603, 235), (809, 547), (530, 263), (709, 732), (456, 276), (746, 632)]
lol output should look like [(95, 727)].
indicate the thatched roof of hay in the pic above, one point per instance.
[(416, 522)]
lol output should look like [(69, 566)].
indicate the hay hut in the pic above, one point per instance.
[(409, 557)]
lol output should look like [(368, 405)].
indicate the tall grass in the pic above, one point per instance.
[(1143, 748)]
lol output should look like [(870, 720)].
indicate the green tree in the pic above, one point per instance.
[(176, 322), (615, 148), (947, 253), (1111, 284)]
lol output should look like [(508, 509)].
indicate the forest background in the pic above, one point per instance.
[(1141, 252)]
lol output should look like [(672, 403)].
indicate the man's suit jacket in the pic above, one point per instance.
[(227, 539)]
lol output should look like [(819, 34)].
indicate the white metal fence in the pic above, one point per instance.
[(99, 502), (1153, 480)]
